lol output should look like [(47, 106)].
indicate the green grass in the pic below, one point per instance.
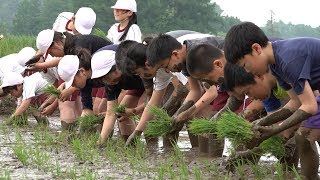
[(13, 44), (160, 125), (202, 126)]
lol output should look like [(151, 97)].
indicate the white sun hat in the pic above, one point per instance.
[(102, 62), (61, 21), (85, 19), (11, 79), (68, 68), (25, 54), (126, 4), (44, 40)]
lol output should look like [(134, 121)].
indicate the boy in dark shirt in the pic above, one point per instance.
[(295, 63)]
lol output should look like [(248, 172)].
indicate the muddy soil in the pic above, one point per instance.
[(33, 152)]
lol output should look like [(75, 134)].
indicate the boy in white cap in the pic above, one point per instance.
[(63, 22), (29, 88), (126, 29)]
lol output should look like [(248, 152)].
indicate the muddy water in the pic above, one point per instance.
[(62, 163)]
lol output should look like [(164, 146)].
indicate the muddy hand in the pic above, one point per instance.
[(48, 110), (65, 94), (132, 139)]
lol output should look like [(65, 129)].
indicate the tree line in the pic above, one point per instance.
[(28, 17)]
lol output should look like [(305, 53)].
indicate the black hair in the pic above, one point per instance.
[(69, 45), (200, 58), (84, 56), (8, 89), (121, 52), (113, 68), (235, 75), (161, 48), (132, 20), (240, 38)]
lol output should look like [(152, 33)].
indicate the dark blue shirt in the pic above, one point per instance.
[(297, 60), (272, 103)]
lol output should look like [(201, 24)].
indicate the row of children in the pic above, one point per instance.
[(209, 75)]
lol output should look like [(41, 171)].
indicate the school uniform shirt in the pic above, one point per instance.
[(163, 79), (33, 86), (114, 33), (9, 64), (51, 74)]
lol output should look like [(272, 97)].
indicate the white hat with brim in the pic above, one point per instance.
[(85, 19), (11, 79), (126, 5), (25, 54), (61, 21), (44, 40), (102, 62), (68, 68)]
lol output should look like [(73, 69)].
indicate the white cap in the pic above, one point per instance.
[(25, 54), (68, 68), (61, 21), (85, 19), (102, 62), (126, 4), (44, 40), (11, 79)]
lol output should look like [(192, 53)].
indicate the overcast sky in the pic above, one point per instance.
[(257, 11)]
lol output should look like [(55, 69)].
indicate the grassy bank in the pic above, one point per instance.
[(13, 44)]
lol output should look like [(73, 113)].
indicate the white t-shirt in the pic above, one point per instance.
[(163, 79), (52, 73), (33, 86), (134, 34), (9, 63)]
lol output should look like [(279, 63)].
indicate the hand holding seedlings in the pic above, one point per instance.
[(127, 112), (65, 94)]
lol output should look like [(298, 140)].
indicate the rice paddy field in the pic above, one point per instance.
[(36, 152)]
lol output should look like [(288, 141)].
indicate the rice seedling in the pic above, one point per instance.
[(21, 152), (39, 158), (280, 93), (274, 145), (6, 175), (135, 118), (296, 173), (202, 126), (88, 174), (100, 33), (51, 90), (86, 122), (234, 127), (279, 171), (197, 173), (121, 108), (160, 125), (18, 120)]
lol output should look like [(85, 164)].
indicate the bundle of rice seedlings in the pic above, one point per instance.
[(121, 108), (18, 120), (160, 125), (51, 90), (274, 145), (202, 126), (135, 118), (86, 122), (100, 33), (280, 93), (234, 127)]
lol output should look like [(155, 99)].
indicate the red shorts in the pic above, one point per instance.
[(136, 93), (74, 95), (101, 93), (38, 100)]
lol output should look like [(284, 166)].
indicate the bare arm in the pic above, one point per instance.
[(146, 116), (109, 120), (47, 64), (22, 108)]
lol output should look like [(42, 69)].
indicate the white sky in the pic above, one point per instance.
[(257, 11)]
